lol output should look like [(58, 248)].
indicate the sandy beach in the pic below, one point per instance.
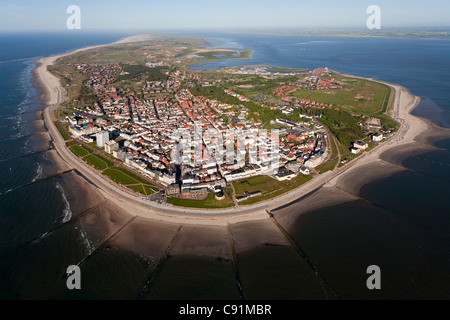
[(412, 127)]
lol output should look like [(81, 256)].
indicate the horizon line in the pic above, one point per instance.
[(253, 29)]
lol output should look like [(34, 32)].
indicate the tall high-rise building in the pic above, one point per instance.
[(102, 138)]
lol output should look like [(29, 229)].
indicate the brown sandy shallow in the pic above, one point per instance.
[(264, 232), (354, 180), (81, 195), (432, 134), (147, 237), (53, 165), (209, 241), (103, 222), (397, 156), (127, 224), (324, 197)]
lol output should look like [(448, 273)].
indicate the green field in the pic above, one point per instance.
[(245, 54), (357, 95), (343, 126), (94, 146), (131, 175), (149, 189), (388, 123), (259, 183), (61, 130), (386, 100), (78, 150), (269, 187), (98, 162), (209, 203), (71, 143), (117, 175), (145, 190), (217, 54), (130, 180)]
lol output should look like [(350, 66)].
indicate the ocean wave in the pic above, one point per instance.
[(26, 147), (21, 135), (25, 84), (23, 106), (15, 132), (6, 118), (41, 237), (6, 192), (67, 212), (14, 115), (88, 245), (14, 60), (16, 125), (29, 59), (38, 172)]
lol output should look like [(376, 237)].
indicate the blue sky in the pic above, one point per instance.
[(212, 14)]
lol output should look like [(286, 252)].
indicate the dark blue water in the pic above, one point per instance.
[(409, 238), (30, 204)]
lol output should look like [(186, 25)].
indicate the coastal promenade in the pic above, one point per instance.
[(404, 103)]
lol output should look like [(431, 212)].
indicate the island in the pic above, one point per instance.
[(114, 111)]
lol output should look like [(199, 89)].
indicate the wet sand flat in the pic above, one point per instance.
[(150, 238), (211, 241)]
